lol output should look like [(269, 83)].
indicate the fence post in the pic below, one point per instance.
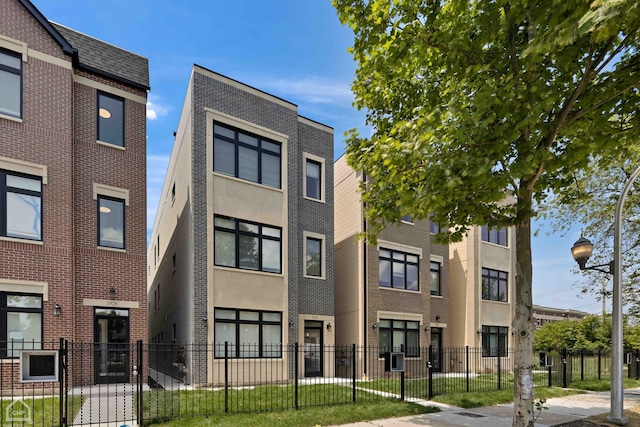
[(226, 376), (139, 376), (550, 379), (599, 363), (637, 364), (582, 365), (353, 372), (467, 365), (61, 381), (564, 368), (295, 375), (499, 368), (430, 372)]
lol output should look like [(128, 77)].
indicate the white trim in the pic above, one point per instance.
[(397, 315), (436, 258), (236, 122), (106, 248), (18, 240), (110, 303), (109, 89), (26, 168), (15, 46), (437, 325), (108, 144), (384, 244), (25, 286), (323, 254), (50, 59), (109, 191), (12, 118), (323, 174)]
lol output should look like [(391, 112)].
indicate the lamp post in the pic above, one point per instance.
[(581, 252)]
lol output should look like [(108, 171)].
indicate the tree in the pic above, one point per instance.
[(591, 202), (481, 109)]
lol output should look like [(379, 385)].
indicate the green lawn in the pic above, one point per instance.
[(602, 385), (478, 399), (45, 411), (313, 416)]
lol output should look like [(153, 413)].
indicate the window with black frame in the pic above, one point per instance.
[(246, 156), (494, 235), (111, 119), (494, 341), (435, 278), (111, 222), (20, 206), (399, 336), (21, 320), (248, 333), (398, 270), (247, 245), (10, 83), (313, 179), (494, 285)]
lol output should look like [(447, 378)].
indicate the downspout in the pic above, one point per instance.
[(74, 60)]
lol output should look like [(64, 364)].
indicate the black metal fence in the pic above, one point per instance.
[(141, 383)]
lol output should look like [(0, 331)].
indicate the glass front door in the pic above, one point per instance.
[(436, 349), (112, 349), (312, 349)]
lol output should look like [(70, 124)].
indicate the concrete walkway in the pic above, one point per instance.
[(561, 410), (109, 405)]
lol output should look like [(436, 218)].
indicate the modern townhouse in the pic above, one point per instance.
[(408, 293), (73, 192), (543, 315), (241, 248)]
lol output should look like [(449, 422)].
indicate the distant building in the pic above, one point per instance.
[(543, 315)]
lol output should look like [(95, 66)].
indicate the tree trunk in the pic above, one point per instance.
[(523, 327)]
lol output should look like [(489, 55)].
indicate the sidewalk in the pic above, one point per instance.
[(561, 410)]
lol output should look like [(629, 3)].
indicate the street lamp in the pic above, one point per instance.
[(581, 251)]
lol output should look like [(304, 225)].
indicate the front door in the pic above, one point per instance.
[(312, 348), (436, 349), (111, 346)]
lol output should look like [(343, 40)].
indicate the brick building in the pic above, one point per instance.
[(241, 248), (408, 292), (73, 184)]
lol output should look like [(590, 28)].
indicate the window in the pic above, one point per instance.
[(313, 179), (494, 285), (173, 192), (10, 83), (247, 245), (435, 278), (494, 235), (246, 156), (434, 227), (494, 341), (21, 317), (110, 119), (313, 257), (398, 270), (20, 206), (111, 222), (250, 334), (399, 335)]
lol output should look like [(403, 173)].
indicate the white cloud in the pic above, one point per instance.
[(312, 89), (155, 109)]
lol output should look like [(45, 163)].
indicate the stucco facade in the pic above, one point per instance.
[(193, 275)]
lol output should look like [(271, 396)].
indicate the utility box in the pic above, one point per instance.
[(394, 362)]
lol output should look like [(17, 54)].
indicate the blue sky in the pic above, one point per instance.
[(294, 49)]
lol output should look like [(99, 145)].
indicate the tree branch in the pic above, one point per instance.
[(597, 105)]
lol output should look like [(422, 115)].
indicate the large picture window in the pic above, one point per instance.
[(399, 335), (111, 119), (20, 206), (246, 156), (249, 334), (20, 323), (494, 341), (494, 235), (494, 285), (10, 83), (111, 225), (247, 245), (398, 270)]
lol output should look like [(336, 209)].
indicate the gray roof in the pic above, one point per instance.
[(103, 58)]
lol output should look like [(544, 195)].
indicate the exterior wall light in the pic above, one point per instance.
[(57, 310), (374, 326), (328, 326), (112, 293)]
